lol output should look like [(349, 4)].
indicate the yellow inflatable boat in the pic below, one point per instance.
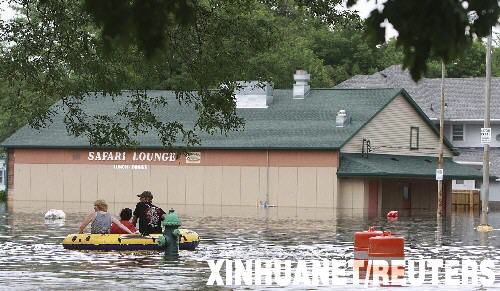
[(188, 240)]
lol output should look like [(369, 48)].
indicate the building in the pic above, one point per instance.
[(464, 115), (360, 150)]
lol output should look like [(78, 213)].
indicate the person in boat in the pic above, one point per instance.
[(149, 215), (125, 216), (100, 220)]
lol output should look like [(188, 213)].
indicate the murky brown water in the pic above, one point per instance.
[(32, 257)]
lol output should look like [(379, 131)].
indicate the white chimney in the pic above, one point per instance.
[(301, 87), (343, 118), (254, 94)]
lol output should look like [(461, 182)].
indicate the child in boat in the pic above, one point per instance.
[(101, 220), (125, 216)]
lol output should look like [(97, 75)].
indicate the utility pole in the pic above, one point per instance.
[(485, 189), (439, 211)]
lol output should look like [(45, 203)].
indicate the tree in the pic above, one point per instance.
[(426, 28), (444, 29), (62, 50), (57, 52), (470, 64), (346, 52)]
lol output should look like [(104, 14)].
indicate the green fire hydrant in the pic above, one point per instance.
[(170, 238)]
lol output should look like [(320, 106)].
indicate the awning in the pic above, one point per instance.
[(393, 166)]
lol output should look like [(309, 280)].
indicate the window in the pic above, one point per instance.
[(498, 137), (414, 138), (458, 132), (459, 182), (1, 177)]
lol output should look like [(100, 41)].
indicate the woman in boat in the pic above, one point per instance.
[(101, 220)]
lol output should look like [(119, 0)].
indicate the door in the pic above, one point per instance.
[(406, 196)]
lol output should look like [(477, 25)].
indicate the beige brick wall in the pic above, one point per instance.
[(182, 185), (353, 193)]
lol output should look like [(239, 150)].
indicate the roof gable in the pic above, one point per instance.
[(394, 130)]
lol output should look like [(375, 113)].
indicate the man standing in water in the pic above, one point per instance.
[(149, 215)]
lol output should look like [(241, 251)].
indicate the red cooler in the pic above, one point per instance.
[(361, 243), (389, 248)]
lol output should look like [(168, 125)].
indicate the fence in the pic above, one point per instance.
[(463, 198)]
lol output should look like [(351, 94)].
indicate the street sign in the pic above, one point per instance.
[(485, 135), (439, 174)]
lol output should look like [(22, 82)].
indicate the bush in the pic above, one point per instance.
[(3, 196)]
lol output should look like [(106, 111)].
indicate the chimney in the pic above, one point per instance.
[(254, 94), (301, 87), (343, 118)]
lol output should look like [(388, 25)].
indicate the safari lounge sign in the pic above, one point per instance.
[(135, 156)]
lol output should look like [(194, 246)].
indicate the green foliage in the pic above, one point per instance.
[(3, 196), (471, 64), (140, 22), (61, 50), (59, 53), (426, 28), (495, 56), (346, 53)]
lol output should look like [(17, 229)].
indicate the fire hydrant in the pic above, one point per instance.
[(170, 238)]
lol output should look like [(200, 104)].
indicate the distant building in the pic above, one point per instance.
[(464, 115), (360, 150)]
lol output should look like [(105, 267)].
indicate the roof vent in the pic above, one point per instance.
[(253, 94), (343, 118), (301, 87)]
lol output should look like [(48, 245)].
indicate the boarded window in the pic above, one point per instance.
[(458, 132), (414, 138)]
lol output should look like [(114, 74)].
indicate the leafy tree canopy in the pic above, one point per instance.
[(426, 28), (65, 49)]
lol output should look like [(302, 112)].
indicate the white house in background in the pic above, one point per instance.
[(464, 115)]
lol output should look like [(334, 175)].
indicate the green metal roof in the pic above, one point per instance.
[(288, 123), (396, 166)]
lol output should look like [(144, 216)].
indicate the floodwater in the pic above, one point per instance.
[(32, 257)]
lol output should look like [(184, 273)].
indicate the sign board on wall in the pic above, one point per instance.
[(135, 156), (131, 160), (485, 135), (439, 174), (193, 158)]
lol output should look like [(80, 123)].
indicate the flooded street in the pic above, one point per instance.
[(32, 257)]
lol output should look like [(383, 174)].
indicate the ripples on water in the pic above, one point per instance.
[(32, 257)]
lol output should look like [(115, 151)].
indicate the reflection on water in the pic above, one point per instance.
[(31, 255)]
